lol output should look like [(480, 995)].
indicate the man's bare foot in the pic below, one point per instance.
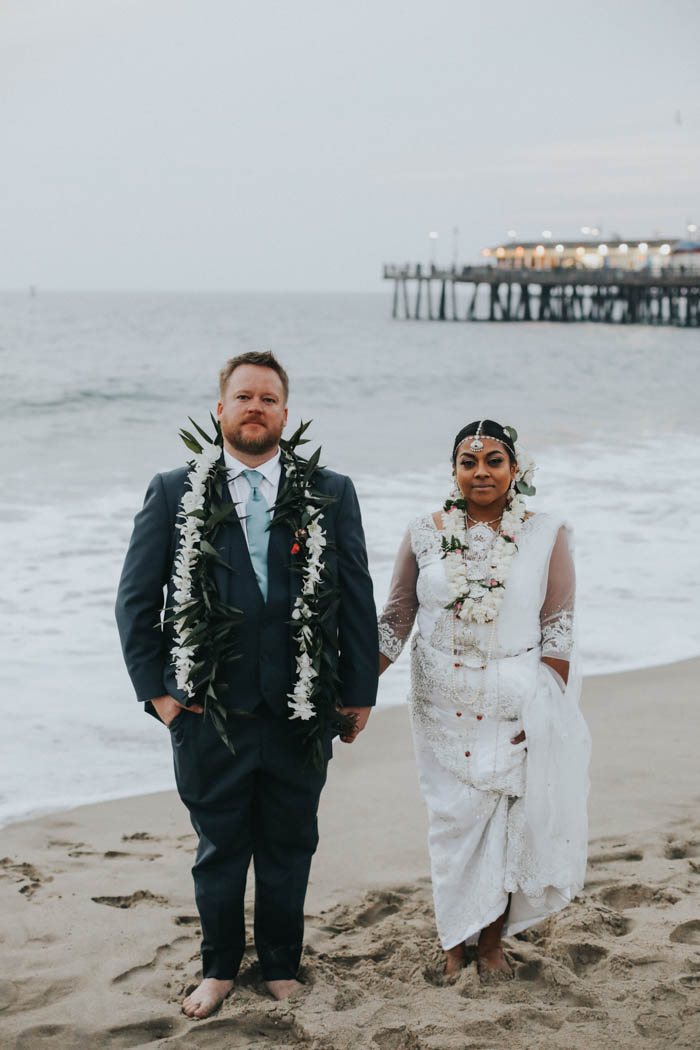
[(493, 963), (207, 998), (454, 960), (283, 989)]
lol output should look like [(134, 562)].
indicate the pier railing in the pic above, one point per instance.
[(494, 293)]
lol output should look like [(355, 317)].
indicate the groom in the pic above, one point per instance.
[(260, 802)]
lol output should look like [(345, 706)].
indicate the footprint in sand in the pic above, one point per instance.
[(400, 1038), (140, 836), (581, 956), (29, 877), (686, 933), (633, 895), (386, 905), (69, 1037), (115, 854), (243, 1032), (678, 849), (32, 992), (139, 897), (163, 954), (630, 856)]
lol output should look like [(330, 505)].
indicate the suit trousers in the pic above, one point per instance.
[(260, 803)]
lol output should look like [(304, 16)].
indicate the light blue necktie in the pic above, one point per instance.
[(256, 522)]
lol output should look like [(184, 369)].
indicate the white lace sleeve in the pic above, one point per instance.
[(557, 613), (399, 613)]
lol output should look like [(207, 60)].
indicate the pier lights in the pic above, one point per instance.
[(511, 235), (540, 249), (559, 248), (585, 230), (623, 248), (547, 234), (602, 249), (665, 249), (643, 247), (501, 252), (580, 251), (692, 227)]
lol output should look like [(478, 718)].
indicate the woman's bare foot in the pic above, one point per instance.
[(207, 998), (491, 959), (492, 962), (283, 989), (454, 960)]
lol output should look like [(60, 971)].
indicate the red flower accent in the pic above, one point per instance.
[(296, 548), (494, 583)]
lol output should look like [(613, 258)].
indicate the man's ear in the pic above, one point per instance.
[(219, 409)]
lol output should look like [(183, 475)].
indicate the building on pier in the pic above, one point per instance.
[(654, 253)]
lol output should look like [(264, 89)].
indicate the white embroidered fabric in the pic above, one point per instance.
[(504, 818)]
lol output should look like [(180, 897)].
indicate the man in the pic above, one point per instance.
[(260, 802)]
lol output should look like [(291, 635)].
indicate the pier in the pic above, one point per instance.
[(496, 293)]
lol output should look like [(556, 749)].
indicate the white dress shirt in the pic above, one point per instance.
[(240, 488)]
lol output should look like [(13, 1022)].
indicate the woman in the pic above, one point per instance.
[(502, 748)]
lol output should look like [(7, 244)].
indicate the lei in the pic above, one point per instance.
[(479, 601), (205, 627)]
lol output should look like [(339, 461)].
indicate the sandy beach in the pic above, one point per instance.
[(100, 934)]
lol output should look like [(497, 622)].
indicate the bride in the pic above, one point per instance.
[(502, 748)]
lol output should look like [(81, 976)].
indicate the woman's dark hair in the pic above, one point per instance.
[(489, 428)]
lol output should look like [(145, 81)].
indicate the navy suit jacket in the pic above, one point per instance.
[(265, 671)]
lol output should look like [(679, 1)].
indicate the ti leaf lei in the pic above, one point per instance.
[(205, 635)]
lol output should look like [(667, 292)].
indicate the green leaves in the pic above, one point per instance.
[(524, 488), (207, 626), (191, 442), (512, 433)]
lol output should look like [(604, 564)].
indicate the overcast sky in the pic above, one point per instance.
[(298, 144)]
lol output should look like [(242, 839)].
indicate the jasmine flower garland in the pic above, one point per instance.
[(479, 601)]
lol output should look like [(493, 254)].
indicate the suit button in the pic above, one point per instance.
[(467, 754), (479, 717)]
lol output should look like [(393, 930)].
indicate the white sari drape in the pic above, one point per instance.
[(504, 819)]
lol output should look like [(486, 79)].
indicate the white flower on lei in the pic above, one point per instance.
[(479, 601), (526, 465), (189, 526), (300, 703)]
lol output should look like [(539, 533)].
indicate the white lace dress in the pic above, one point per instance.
[(503, 818)]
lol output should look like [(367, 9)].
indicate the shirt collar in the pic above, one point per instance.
[(270, 469)]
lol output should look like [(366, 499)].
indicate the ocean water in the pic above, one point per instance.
[(93, 390)]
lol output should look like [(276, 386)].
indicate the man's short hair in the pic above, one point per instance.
[(263, 358)]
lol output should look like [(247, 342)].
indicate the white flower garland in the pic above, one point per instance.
[(315, 543), (479, 601), (190, 526), (191, 521)]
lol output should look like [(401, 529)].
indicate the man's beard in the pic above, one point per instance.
[(254, 445)]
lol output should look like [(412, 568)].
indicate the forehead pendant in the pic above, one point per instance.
[(477, 444)]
